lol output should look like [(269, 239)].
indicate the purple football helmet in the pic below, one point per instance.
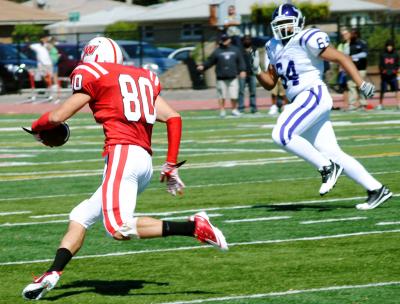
[(287, 21)]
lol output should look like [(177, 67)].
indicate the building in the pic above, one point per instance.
[(13, 13)]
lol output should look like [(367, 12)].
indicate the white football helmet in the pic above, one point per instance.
[(287, 21), (102, 49)]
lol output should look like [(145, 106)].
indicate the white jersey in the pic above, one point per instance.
[(298, 63)]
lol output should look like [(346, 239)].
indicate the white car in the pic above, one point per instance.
[(182, 53)]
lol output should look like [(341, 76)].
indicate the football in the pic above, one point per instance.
[(54, 137)]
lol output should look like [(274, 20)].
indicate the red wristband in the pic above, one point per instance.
[(42, 123), (174, 130)]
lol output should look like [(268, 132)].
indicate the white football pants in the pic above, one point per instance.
[(304, 129), (127, 172)]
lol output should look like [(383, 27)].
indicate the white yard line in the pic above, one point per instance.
[(284, 293), (14, 213), (186, 217), (263, 242), (32, 223), (191, 211), (355, 218), (387, 223), (218, 164), (257, 219)]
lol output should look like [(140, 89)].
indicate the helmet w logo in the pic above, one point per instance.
[(89, 50)]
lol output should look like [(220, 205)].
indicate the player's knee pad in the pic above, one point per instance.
[(129, 228)]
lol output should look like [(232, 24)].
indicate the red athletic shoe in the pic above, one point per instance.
[(207, 233), (41, 285)]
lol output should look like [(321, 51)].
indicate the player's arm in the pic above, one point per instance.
[(268, 78), (333, 55), (169, 171), (51, 119)]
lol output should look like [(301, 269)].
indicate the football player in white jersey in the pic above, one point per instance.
[(304, 127)]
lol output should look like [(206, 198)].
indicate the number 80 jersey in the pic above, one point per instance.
[(298, 63), (122, 100)]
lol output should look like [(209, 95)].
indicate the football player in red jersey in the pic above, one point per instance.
[(126, 102)]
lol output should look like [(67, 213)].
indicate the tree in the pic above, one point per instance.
[(314, 12), (27, 31), (122, 30)]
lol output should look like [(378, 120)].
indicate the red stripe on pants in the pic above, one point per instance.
[(117, 183), (107, 223)]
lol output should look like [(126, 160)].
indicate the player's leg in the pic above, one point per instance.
[(129, 173), (306, 110), (324, 139), (81, 218)]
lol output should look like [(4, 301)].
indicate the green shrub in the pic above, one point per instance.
[(314, 12), (122, 31), (28, 32)]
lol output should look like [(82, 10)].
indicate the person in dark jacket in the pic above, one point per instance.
[(250, 80), (229, 63), (358, 54), (388, 67)]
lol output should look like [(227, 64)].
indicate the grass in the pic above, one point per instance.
[(235, 172)]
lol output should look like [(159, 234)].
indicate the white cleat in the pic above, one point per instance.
[(375, 198), (41, 285), (330, 175), (205, 232)]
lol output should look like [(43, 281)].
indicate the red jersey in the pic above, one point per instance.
[(123, 101)]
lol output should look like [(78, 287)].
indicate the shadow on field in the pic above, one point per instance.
[(116, 288), (301, 207)]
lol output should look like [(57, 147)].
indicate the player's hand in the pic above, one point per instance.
[(255, 63), (367, 89), (169, 174)]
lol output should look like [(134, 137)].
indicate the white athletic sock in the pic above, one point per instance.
[(304, 149), (357, 172)]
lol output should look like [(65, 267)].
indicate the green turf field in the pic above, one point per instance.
[(287, 244)]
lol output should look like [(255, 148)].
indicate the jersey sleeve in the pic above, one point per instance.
[(156, 84), (316, 42), (83, 79)]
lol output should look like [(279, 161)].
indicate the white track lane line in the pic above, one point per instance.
[(387, 223)]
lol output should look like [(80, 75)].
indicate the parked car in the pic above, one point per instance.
[(165, 51), (146, 55), (182, 53), (14, 68), (70, 56)]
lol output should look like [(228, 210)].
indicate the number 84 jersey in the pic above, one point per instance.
[(122, 100), (298, 63)]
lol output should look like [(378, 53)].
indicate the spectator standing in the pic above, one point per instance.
[(388, 68), (232, 26), (54, 56), (45, 65), (278, 98), (358, 54), (229, 63), (344, 47), (250, 80)]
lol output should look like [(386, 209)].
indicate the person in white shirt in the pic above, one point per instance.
[(45, 64)]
